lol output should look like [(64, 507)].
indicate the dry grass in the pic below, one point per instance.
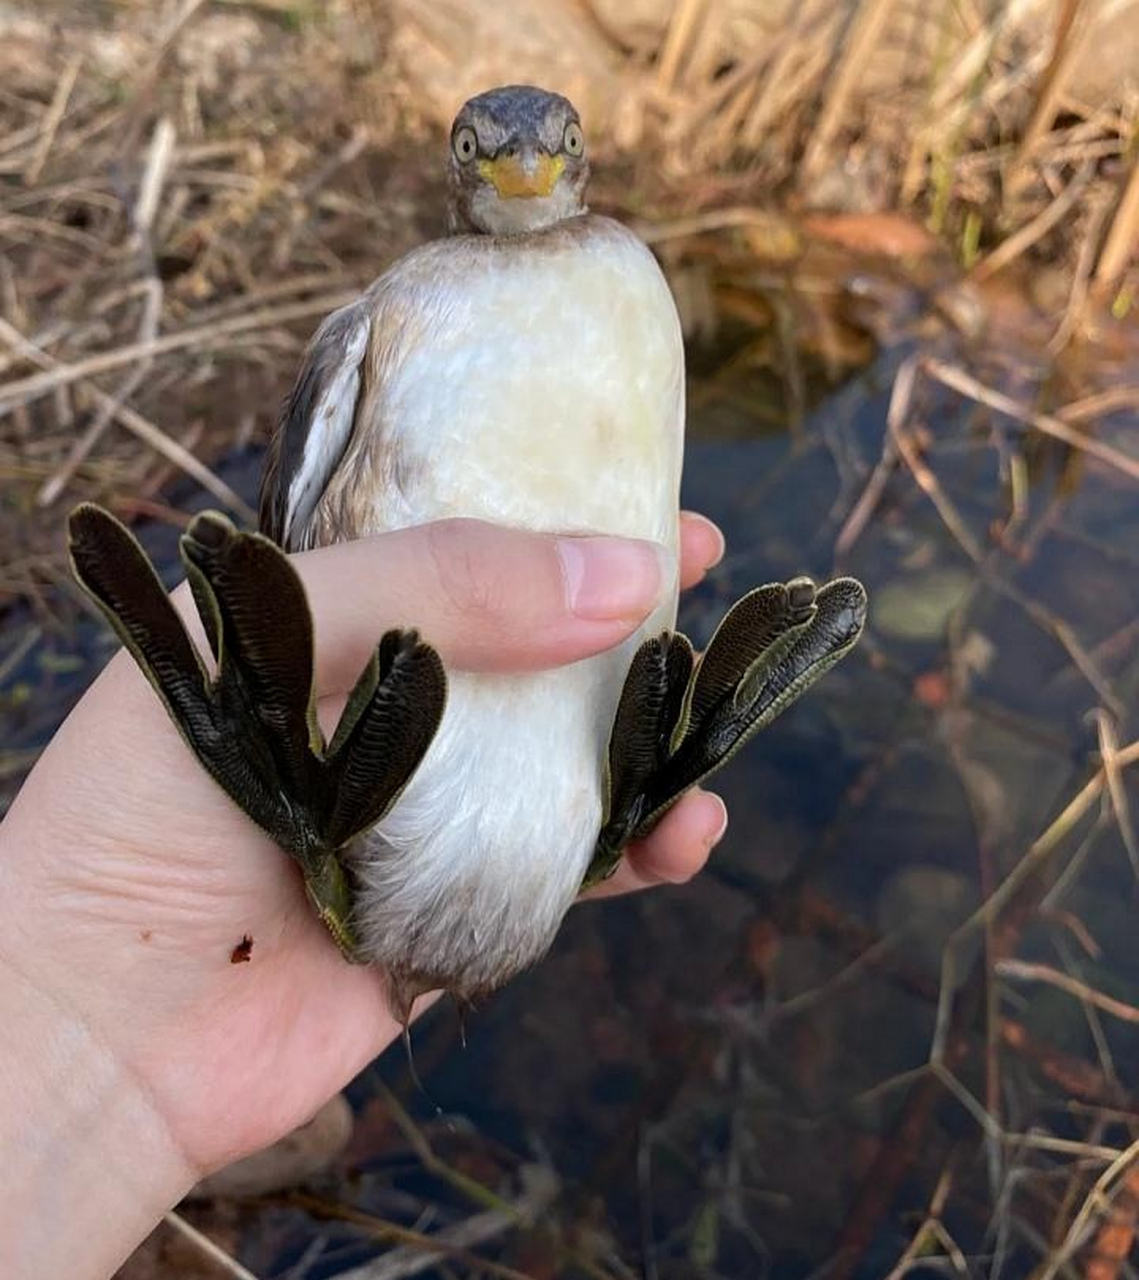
[(186, 188), (183, 194)]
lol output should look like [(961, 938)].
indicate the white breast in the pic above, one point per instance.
[(540, 384)]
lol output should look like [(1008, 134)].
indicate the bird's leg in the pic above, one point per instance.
[(253, 725), (679, 720)]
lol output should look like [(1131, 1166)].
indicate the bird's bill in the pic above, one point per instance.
[(515, 176)]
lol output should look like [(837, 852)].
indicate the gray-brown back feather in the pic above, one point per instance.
[(293, 482)]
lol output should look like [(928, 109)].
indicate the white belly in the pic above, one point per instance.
[(547, 394)]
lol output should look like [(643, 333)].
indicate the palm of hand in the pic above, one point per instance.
[(127, 905), (145, 914)]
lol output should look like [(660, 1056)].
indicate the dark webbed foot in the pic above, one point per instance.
[(679, 720), (253, 726)]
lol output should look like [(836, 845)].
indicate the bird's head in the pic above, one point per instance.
[(518, 162)]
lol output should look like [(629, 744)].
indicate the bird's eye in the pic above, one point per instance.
[(572, 141), (464, 144)]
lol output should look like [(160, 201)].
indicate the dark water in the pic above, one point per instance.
[(726, 1079)]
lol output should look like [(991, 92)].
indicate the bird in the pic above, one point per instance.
[(527, 368)]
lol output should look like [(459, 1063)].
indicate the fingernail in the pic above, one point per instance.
[(717, 827), (714, 535), (613, 578)]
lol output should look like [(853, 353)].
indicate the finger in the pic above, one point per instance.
[(701, 547), (674, 851), (488, 598)]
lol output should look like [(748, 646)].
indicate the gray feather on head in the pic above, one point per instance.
[(518, 162)]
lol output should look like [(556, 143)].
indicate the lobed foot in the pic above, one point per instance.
[(253, 725), (680, 718)]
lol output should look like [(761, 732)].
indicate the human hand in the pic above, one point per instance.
[(127, 878)]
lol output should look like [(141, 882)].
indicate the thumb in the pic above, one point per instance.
[(487, 597)]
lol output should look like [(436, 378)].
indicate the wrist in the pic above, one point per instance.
[(89, 1166)]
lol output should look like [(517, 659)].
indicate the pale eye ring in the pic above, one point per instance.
[(465, 144), (573, 143)]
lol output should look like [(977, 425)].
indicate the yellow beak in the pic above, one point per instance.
[(512, 177)]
